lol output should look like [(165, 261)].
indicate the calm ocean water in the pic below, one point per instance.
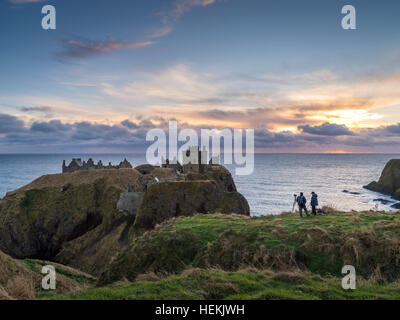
[(269, 189)]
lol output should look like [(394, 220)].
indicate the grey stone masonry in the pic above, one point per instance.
[(78, 165)]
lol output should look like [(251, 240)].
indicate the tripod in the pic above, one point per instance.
[(294, 202)]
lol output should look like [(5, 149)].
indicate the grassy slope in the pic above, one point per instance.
[(198, 284), (321, 245), (68, 280), (285, 257), (21, 279), (75, 275)]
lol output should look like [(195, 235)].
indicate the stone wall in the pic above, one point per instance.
[(78, 165)]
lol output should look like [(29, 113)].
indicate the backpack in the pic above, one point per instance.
[(301, 200)]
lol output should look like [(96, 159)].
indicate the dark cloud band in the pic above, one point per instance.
[(128, 135)]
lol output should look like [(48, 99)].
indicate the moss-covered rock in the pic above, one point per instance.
[(219, 174), (212, 192), (65, 217), (389, 182), (161, 252)]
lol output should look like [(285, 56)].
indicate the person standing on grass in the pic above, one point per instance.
[(314, 203), (301, 201)]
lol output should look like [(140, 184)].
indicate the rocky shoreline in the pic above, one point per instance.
[(389, 182)]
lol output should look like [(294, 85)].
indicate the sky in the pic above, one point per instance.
[(113, 70)]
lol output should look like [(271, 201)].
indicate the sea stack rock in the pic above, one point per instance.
[(389, 182)]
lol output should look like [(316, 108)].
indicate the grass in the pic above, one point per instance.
[(29, 198), (35, 266), (318, 244), (215, 256), (199, 284)]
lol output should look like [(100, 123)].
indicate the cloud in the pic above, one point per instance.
[(160, 32), (376, 89), (175, 85), (170, 16), (225, 99), (130, 136), (10, 124), (85, 131), (322, 117), (277, 117), (327, 129), (83, 48), (129, 124), (273, 101), (51, 126), (56, 136), (42, 109), (394, 129), (182, 7)]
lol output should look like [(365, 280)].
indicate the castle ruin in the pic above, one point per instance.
[(78, 165), (193, 159)]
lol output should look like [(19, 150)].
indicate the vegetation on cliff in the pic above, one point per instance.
[(389, 182), (247, 284), (74, 218), (272, 257), (65, 218), (167, 200), (321, 245), (22, 279), (219, 256)]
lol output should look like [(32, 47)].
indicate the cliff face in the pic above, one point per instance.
[(65, 217), (389, 182), (167, 200), (84, 219), (211, 192)]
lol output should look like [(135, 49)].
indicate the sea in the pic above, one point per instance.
[(338, 179)]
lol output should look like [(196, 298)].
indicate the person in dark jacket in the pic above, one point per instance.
[(314, 203), (301, 201)]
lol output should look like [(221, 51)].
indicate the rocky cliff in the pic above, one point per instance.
[(66, 217), (84, 219), (389, 182), (211, 192)]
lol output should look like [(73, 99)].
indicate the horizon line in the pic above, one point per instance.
[(143, 153)]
